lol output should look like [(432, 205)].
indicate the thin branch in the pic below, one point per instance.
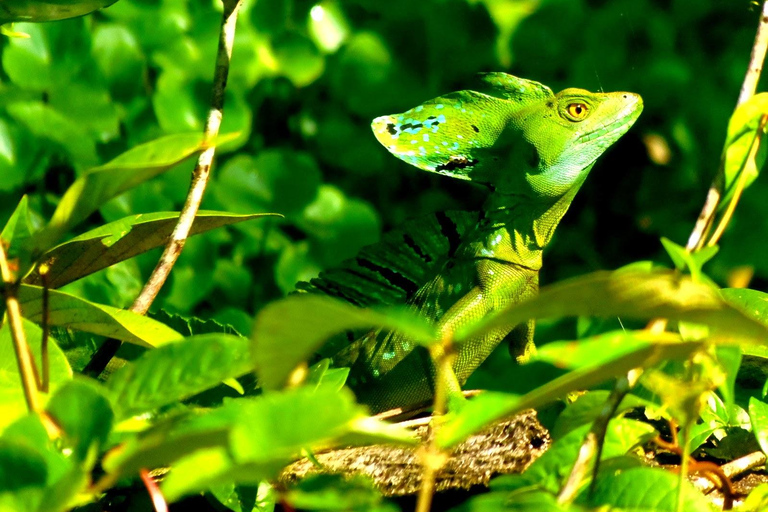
[(732, 469), (202, 170), (27, 369), (748, 88), (432, 458), (197, 186), (45, 325), (592, 447)]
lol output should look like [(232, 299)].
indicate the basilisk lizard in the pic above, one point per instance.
[(533, 150)]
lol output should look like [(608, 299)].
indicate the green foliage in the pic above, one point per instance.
[(100, 118)]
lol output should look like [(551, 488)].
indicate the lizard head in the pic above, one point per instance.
[(514, 135)]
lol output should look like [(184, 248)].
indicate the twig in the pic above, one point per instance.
[(731, 469), (45, 325), (197, 186), (433, 458), (748, 88), (592, 447), (27, 369)]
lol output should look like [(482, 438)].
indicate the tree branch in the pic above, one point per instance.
[(199, 181)]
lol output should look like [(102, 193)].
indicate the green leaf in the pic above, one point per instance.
[(742, 129), (686, 260), (758, 415), (83, 412), (646, 489), (336, 492), (18, 228), (34, 451), (119, 241), (289, 331), (552, 469), (266, 433), (297, 58), (12, 403), (522, 500), (102, 183), (245, 498), (754, 304), (631, 294), (23, 476), (75, 313), (646, 350), (49, 10), (587, 407), (178, 370)]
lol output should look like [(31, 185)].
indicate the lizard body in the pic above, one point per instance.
[(533, 149)]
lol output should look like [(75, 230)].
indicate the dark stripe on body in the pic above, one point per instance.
[(410, 242), (450, 232), (394, 278)]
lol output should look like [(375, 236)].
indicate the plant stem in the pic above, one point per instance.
[(199, 181), (442, 354), (592, 447), (685, 460), (748, 88), (202, 169), (45, 325), (27, 369)]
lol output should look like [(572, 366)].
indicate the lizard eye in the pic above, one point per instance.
[(577, 111)]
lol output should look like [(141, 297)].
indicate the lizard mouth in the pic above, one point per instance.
[(622, 121)]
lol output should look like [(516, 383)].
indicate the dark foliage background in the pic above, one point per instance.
[(306, 80)]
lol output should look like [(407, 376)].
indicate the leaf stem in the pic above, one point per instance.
[(748, 88), (26, 364), (198, 183)]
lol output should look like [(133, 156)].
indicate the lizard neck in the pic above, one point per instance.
[(518, 227)]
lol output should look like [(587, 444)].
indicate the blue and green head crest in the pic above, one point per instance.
[(512, 134), (445, 134)]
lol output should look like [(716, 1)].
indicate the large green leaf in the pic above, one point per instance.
[(102, 183), (179, 370), (246, 440), (12, 403), (289, 331), (75, 313), (612, 354), (47, 10), (632, 294), (120, 240), (644, 489)]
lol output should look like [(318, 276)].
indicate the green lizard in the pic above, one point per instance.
[(533, 150)]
